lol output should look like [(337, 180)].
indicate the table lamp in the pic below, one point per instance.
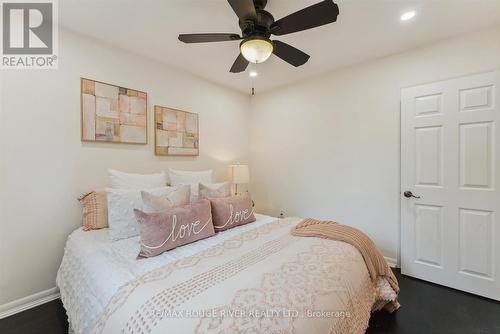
[(238, 174)]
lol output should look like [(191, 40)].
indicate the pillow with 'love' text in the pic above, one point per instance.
[(229, 212), (165, 230)]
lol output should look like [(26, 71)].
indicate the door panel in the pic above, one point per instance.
[(428, 234), (428, 105), (476, 155), (428, 143), (450, 159), (476, 243), (476, 99)]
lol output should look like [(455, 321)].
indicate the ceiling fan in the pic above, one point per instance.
[(257, 26)]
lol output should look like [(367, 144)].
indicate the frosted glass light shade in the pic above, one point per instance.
[(256, 50), (239, 174)]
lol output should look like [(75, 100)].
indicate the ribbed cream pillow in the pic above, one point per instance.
[(94, 209)]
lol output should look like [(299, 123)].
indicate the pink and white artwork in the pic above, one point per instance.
[(176, 132), (113, 114)]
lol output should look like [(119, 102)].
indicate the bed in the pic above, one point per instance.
[(255, 278)]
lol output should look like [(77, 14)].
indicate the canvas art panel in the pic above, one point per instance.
[(176, 132), (112, 114)]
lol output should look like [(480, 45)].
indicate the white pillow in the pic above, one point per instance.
[(182, 177), (121, 180), (121, 205)]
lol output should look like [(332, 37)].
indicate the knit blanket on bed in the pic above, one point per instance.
[(375, 262), (264, 280)]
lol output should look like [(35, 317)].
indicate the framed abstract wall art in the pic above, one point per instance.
[(113, 114), (176, 132)]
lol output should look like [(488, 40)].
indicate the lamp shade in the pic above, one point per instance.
[(239, 174)]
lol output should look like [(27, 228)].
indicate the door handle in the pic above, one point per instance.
[(409, 194)]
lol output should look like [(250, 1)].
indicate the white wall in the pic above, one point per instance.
[(329, 147), (44, 166)]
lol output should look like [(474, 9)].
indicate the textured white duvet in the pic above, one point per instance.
[(94, 268)]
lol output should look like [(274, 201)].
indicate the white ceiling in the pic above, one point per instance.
[(365, 29)]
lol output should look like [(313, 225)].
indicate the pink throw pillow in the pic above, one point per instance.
[(171, 228), (229, 212)]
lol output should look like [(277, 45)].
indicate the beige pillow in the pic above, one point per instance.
[(95, 210), (178, 197), (214, 190)]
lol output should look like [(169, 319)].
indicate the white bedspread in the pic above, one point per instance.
[(94, 268)]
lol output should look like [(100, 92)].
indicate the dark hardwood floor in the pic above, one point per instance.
[(429, 308), (426, 309), (49, 318)]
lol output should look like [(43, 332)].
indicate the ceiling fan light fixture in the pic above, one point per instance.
[(256, 49), (258, 25)]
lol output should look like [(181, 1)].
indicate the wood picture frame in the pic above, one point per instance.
[(176, 132), (112, 114)]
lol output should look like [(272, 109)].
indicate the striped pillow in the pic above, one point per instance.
[(94, 209)]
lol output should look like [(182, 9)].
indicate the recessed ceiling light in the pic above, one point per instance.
[(253, 74), (408, 15)]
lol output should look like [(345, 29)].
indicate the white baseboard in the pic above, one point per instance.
[(28, 302), (392, 262)]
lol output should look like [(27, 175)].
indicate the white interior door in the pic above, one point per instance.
[(450, 160)]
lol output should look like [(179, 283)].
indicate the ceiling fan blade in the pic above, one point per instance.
[(205, 38), (290, 54), (310, 17), (239, 65), (244, 9)]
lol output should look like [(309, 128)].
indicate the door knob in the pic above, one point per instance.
[(409, 194)]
